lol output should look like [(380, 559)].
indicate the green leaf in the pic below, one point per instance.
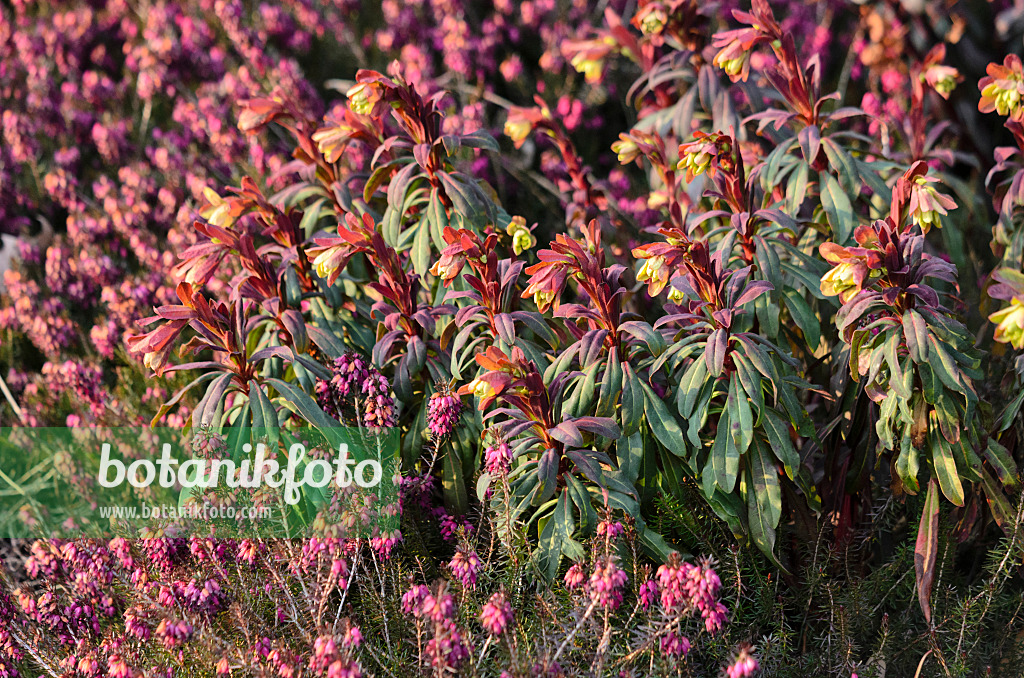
[(632, 400), (630, 452), (762, 529), (611, 385), (723, 464), (1002, 462), (690, 387), (945, 470), (750, 380), (777, 430), (837, 208), (581, 498), (379, 176), (585, 391), (1010, 413), (907, 463), (842, 163), (482, 485), (663, 425), (944, 366), (480, 139), (740, 418), (549, 548), (765, 484), (421, 249), (647, 334), (796, 188), (264, 416), (804, 317), (1002, 511), (949, 422)]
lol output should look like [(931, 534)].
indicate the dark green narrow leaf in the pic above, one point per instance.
[(724, 462), (777, 430), (663, 425), (750, 380), (1002, 462), (842, 163), (944, 366), (907, 464), (611, 385), (740, 418), (690, 387), (796, 188), (804, 317), (630, 453), (632, 400), (421, 249), (765, 482), (762, 529), (837, 208), (945, 470)]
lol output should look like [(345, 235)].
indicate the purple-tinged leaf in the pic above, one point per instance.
[(916, 332), (602, 426), (590, 468), (271, 352), (754, 289), (506, 328), (810, 142), (927, 549), (647, 334), (714, 354), (567, 433)]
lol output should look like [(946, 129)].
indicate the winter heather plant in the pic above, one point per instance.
[(701, 324)]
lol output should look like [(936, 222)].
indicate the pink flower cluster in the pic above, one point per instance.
[(443, 411), (685, 586), (606, 583), (447, 648), (465, 565), (496, 614), (356, 381)]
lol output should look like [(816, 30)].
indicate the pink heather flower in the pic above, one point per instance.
[(378, 408), (675, 645), (496, 614), (413, 599), (385, 544), (465, 565), (648, 593), (350, 373), (223, 667), (443, 411), (173, 633), (575, 577), (744, 666), (447, 648), (450, 526), (435, 608), (606, 584), (353, 637), (610, 529), (498, 458), (207, 443)]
